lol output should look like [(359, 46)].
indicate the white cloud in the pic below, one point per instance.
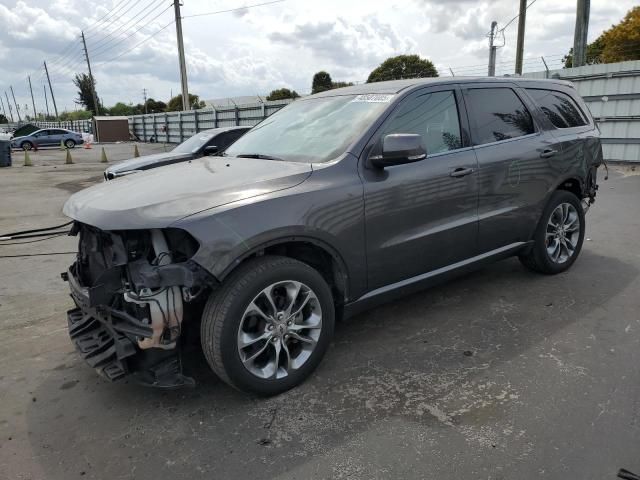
[(257, 49)]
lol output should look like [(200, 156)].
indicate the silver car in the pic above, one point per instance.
[(47, 137)]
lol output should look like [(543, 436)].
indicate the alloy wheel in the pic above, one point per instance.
[(279, 329), (563, 233)]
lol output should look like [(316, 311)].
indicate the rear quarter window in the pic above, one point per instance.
[(497, 114), (559, 108)]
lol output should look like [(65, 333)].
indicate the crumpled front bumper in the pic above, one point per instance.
[(107, 340)]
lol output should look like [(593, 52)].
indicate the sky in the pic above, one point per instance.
[(255, 49)]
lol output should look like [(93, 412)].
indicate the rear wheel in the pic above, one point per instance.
[(27, 146), (69, 143), (559, 236), (269, 325)]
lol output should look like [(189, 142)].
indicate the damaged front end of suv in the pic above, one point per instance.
[(133, 290)]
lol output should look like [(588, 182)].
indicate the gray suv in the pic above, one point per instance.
[(337, 202)]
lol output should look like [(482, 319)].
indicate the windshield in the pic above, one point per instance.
[(195, 143), (314, 130)]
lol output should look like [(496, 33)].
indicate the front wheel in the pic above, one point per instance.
[(69, 143), (27, 146), (269, 325), (559, 236)]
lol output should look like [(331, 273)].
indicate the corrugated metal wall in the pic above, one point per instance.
[(612, 92)]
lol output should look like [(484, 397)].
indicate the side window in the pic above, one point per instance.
[(497, 114), (42, 133), (432, 115), (221, 140), (559, 108)]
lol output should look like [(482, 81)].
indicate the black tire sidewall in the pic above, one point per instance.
[(24, 144), (69, 143), (540, 248), (232, 364)]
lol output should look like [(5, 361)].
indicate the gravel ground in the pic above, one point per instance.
[(499, 374)]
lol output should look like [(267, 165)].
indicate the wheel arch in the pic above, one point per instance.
[(311, 250), (573, 184)]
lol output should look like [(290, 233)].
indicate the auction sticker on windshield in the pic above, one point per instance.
[(373, 98)]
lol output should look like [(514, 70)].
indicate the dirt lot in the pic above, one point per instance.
[(499, 374)]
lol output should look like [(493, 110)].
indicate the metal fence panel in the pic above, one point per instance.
[(175, 127)]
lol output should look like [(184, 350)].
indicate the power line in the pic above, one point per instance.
[(129, 23), (111, 13), (136, 45), (234, 9), (514, 18), (133, 33), (101, 50)]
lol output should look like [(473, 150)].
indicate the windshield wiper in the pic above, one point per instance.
[(258, 155)]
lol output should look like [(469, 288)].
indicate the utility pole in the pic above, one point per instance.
[(35, 115), (183, 63), (46, 103), (93, 84), (9, 106), (580, 34), (492, 50), (522, 19), (144, 95), (16, 103), (4, 112), (53, 99)]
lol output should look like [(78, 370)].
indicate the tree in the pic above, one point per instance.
[(175, 104), (403, 66), (282, 94), (3, 119), (341, 84), (85, 92), (76, 115), (120, 109), (321, 82), (618, 44)]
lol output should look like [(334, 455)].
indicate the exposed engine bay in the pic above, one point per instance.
[(133, 290)]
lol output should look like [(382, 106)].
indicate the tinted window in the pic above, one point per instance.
[(497, 114), (58, 132), (559, 108), (432, 115)]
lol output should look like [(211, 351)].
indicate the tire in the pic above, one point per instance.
[(26, 146), (564, 209), (239, 312), (69, 143)]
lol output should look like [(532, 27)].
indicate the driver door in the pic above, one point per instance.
[(41, 138), (422, 216)]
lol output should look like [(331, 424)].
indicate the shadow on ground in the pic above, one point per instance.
[(423, 360)]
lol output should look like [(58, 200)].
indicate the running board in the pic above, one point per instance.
[(410, 285)]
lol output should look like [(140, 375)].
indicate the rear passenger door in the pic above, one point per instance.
[(56, 136), (575, 133), (513, 153)]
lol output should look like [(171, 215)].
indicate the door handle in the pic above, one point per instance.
[(461, 172), (548, 152)]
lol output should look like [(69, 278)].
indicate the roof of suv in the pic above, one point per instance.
[(396, 86)]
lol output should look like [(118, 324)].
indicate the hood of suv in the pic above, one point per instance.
[(146, 162), (156, 198)]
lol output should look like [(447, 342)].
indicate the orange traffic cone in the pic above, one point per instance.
[(87, 145)]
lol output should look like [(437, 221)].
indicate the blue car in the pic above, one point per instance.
[(47, 137)]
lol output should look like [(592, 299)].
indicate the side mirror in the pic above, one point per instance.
[(400, 148), (210, 150)]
